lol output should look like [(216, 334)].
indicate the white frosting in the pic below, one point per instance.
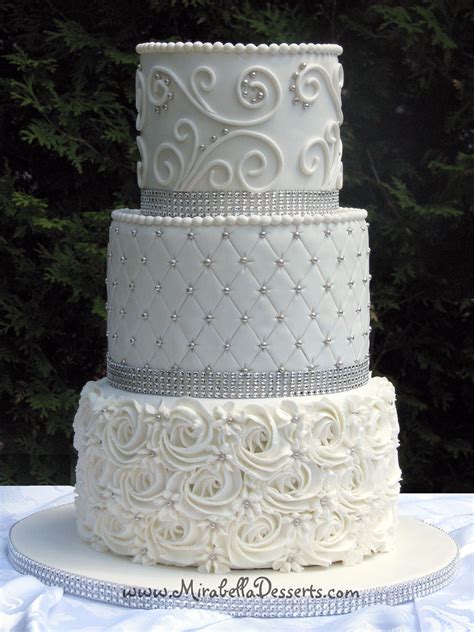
[(261, 294), (249, 121), (239, 49), (128, 216), (238, 484)]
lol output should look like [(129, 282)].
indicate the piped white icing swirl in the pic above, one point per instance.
[(238, 484)]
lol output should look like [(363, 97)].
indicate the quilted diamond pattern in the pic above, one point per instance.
[(242, 296)]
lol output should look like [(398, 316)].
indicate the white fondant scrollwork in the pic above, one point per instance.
[(142, 164), (163, 83), (325, 156), (140, 100), (308, 86), (179, 165)]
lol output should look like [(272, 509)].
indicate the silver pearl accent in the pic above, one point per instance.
[(158, 233), (225, 234), (350, 338), (170, 95), (253, 74), (262, 234), (133, 232), (280, 262), (358, 310), (263, 345), (132, 340), (339, 364), (299, 344), (131, 286), (123, 259), (296, 234), (189, 290), (359, 254), (314, 260), (350, 283), (313, 315), (202, 147), (292, 87), (340, 258), (114, 336), (159, 342), (349, 231), (295, 75), (122, 313), (253, 100), (296, 100), (327, 232), (144, 259), (226, 346), (364, 280), (209, 318), (114, 283), (191, 235), (164, 107), (174, 316), (306, 105), (263, 289), (243, 260), (245, 82), (157, 287), (213, 138), (327, 286), (207, 262), (303, 65), (167, 81), (340, 312), (280, 317), (173, 263), (245, 93), (145, 315), (244, 318), (327, 341), (298, 288), (192, 345), (225, 131), (260, 95), (226, 290), (157, 109)]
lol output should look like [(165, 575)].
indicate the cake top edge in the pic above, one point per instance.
[(219, 47)]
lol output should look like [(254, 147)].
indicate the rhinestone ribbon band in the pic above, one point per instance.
[(236, 384), (202, 203)]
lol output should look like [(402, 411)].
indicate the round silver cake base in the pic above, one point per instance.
[(46, 545)]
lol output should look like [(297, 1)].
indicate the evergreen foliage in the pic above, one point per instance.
[(67, 159)]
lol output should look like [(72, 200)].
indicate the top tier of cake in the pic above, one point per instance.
[(239, 118)]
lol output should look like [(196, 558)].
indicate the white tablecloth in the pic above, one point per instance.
[(26, 604)]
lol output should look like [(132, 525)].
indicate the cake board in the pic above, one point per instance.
[(47, 546)]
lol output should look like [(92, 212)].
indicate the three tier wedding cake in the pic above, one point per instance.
[(238, 426)]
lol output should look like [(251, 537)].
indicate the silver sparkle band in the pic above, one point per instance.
[(134, 597), (202, 203), (236, 384)]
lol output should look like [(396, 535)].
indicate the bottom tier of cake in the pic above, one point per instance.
[(239, 484)]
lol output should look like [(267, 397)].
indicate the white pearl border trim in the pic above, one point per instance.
[(219, 47), (128, 216), (109, 592)]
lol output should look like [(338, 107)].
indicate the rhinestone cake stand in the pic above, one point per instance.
[(47, 546)]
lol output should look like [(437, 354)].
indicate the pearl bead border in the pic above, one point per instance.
[(238, 49), (131, 216), (269, 607)]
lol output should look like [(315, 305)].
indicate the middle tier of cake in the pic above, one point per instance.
[(273, 294)]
